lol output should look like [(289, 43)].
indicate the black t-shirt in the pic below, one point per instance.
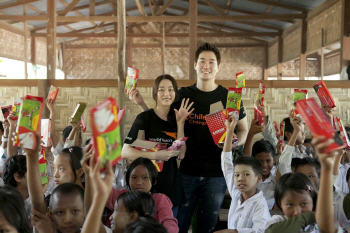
[(203, 157), (159, 130)]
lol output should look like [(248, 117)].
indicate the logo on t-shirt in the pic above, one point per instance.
[(198, 119), (171, 134)]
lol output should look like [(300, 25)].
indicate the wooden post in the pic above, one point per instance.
[(33, 53), (193, 38), (280, 58), (51, 39), (322, 63), (25, 43), (121, 57), (162, 45), (129, 47), (266, 63), (64, 60), (302, 68), (345, 36)]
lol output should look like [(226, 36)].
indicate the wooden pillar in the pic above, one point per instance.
[(162, 45), (322, 63), (64, 60), (193, 38), (280, 58), (345, 36), (25, 43), (121, 58), (266, 63), (51, 39), (302, 68), (129, 47)]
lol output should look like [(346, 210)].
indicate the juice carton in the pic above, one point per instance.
[(105, 130), (78, 112), (324, 95), (45, 132), (131, 78), (259, 116), (298, 95), (53, 93), (343, 133), (6, 111), (16, 107), (43, 167), (240, 81), (261, 94), (281, 133), (83, 126), (233, 103), (276, 128)]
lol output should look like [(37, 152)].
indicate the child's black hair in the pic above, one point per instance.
[(67, 131), (309, 161), (263, 146), (288, 127), (66, 189), (145, 225), (14, 164), (12, 208), (76, 154), (295, 182), (250, 161), (138, 201), (1, 127), (208, 47), (147, 163), (294, 162), (87, 142)]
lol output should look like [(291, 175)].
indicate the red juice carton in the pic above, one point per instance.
[(53, 93), (298, 95), (105, 130), (318, 123), (45, 132), (276, 128), (240, 81), (259, 116), (16, 107), (151, 146), (217, 127), (324, 95), (6, 110), (233, 103), (261, 94), (82, 123), (28, 121), (131, 78), (343, 132), (43, 167), (281, 133), (78, 112)]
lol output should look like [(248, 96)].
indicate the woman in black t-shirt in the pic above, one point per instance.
[(162, 124)]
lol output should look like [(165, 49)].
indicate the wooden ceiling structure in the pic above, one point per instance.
[(264, 21)]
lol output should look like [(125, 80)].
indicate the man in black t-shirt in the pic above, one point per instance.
[(201, 174)]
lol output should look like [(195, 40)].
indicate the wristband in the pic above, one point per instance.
[(4, 139)]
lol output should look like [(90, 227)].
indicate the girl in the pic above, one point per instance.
[(142, 176), (296, 196), (162, 124), (13, 217)]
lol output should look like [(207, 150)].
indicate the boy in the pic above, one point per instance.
[(248, 211)]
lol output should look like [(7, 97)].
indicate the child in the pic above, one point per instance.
[(296, 196), (142, 176), (311, 168), (145, 225), (248, 211), (13, 217), (325, 210)]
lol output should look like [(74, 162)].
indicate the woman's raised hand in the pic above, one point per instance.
[(184, 111)]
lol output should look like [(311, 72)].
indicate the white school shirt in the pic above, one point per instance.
[(57, 150), (108, 230), (341, 181), (339, 214), (310, 228), (253, 214), (268, 188)]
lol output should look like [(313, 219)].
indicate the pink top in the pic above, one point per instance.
[(163, 213)]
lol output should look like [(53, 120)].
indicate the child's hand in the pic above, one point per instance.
[(261, 108), (11, 122), (50, 104), (102, 187), (231, 124), (34, 153), (328, 112), (255, 129), (184, 111), (76, 125), (87, 154), (320, 144), (41, 222), (135, 96), (280, 148), (6, 126), (295, 121), (165, 155)]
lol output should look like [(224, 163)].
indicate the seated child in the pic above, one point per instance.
[(311, 168), (142, 175), (13, 217), (296, 196), (248, 211)]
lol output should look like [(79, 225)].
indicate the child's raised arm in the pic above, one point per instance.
[(136, 97), (5, 136), (11, 149), (324, 207), (51, 106), (254, 129), (33, 177)]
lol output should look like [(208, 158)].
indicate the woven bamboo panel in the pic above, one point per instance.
[(292, 68), (330, 21), (41, 52), (292, 45), (9, 94), (332, 65), (273, 55), (12, 45)]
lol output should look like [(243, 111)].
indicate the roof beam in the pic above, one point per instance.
[(68, 8), (159, 35), (164, 7), (92, 7), (17, 3), (24, 17), (142, 11), (281, 5)]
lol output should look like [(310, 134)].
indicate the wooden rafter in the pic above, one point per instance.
[(281, 5), (17, 3), (92, 7), (68, 8), (266, 12), (171, 26), (164, 7), (142, 11)]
